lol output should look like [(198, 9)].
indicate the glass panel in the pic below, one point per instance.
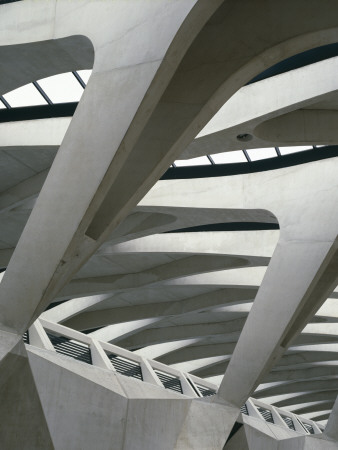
[(236, 156), (262, 153), (2, 106), (62, 88), (26, 95), (200, 161), (299, 148), (84, 74)]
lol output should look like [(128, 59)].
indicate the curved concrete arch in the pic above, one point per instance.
[(247, 277), (141, 222), (141, 108), (313, 407), (291, 241), (106, 264), (322, 416), (197, 295), (300, 374), (254, 107), (158, 274), (106, 52), (158, 335), (297, 358), (286, 360), (305, 339), (29, 61), (96, 227), (34, 133), (329, 383), (258, 243), (304, 126), (104, 317), (210, 330), (199, 351), (308, 397)]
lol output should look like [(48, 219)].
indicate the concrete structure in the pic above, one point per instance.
[(217, 283)]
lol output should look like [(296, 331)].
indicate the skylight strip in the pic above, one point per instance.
[(257, 154), (27, 95), (199, 161), (294, 149), (62, 88), (236, 156)]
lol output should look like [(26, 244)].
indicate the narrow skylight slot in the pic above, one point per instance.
[(298, 148), (236, 156), (262, 153), (62, 88), (200, 161), (84, 74), (26, 95)]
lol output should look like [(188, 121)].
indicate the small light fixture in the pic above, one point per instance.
[(244, 137)]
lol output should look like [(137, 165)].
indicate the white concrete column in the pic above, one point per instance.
[(138, 45), (299, 275)]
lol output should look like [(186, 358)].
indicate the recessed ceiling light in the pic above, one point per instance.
[(245, 137)]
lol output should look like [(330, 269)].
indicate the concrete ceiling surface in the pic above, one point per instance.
[(88, 229)]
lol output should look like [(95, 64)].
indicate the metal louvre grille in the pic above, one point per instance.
[(308, 427), (126, 367), (289, 422), (169, 381), (244, 409), (75, 350), (267, 415), (25, 337), (206, 392)]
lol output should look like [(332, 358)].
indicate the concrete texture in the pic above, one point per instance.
[(82, 217), (123, 413)]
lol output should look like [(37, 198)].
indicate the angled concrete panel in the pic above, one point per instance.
[(23, 423)]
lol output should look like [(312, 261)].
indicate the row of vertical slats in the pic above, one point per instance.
[(81, 352), (205, 391), (67, 347), (289, 422), (244, 409), (169, 381), (266, 414), (308, 427), (126, 367)]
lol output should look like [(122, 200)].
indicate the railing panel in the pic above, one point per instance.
[(266, 414), (75, 350), (289, 422), (126, 367), (169, 381)]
